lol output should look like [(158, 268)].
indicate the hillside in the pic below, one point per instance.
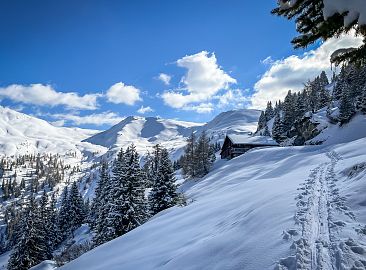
[(24, 134), (268, 209), (172, 134)]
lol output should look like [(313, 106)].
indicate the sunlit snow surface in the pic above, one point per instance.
[(242, 215)]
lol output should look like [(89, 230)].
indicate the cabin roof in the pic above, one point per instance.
[(253, 140)]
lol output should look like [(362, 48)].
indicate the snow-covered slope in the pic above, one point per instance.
[(22, 134), (270, 208), (172, 134), (145, 133), (242, 121)]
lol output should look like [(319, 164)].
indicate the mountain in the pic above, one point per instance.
[(172, 134), (24, 134), (242, 121), (144, 133), (274, 208)]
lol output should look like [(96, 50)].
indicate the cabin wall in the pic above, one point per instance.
[(234, 150)]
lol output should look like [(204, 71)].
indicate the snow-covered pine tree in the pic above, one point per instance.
[(361, 101), (76, 208), (346, 106), (300, 105), (107, 228), (312, 26), (136, 204), (269, 113), (163, 194), (188, 159), (277, 129), (102, 206), (127, 205), (204, 154), (55, 235), (45, 227), (324, 98), (149, 169), (266, 131), (323, 79), (30, 248), (288, 111), (99, 193), (63, 218), (262, 121)]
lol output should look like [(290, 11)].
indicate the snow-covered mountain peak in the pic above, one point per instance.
[(145, 132), (24, 134)]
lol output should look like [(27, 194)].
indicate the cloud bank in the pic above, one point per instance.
[(292, 72), (45, 95)]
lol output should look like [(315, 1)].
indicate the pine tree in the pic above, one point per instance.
[(63, 218), (288, 111), (277, 129), (312, 26), (149, 170), (45, 227), (31, 246), (324, 98), (55, 235), (127, 206), (188, 160), (76, 208), (301, 105), (163, 194), (205, 155), (101, 204), (323, 79), (99, 193), (346, 107), (262, 121), (361, 102), (266, 132), (269, 113)]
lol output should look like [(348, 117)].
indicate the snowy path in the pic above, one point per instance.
[(316, 240), (319, 223)]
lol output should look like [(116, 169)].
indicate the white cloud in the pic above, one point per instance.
[(120, 93), (144, 110), (165, 78), (293, 71), (98, 119), (203, 80), (45, 95), (200, 108), (233, 99)]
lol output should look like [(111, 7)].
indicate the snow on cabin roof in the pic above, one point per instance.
[(245, 139)]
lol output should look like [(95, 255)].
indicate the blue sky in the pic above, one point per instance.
[(74, 62)]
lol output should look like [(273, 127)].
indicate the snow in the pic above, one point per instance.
[(4, 258), (172, 134), (45, 265), (334, 134), (145, 133), (356, 10), (24, 134), (253, 140), (269, 208)]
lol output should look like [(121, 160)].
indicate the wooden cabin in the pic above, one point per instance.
[(236, 145)]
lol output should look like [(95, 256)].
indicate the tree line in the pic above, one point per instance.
[(341, 99)]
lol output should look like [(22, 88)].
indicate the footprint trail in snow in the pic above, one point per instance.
[(315, 236)]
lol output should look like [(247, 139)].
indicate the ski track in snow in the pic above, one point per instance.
[(316, 242)]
